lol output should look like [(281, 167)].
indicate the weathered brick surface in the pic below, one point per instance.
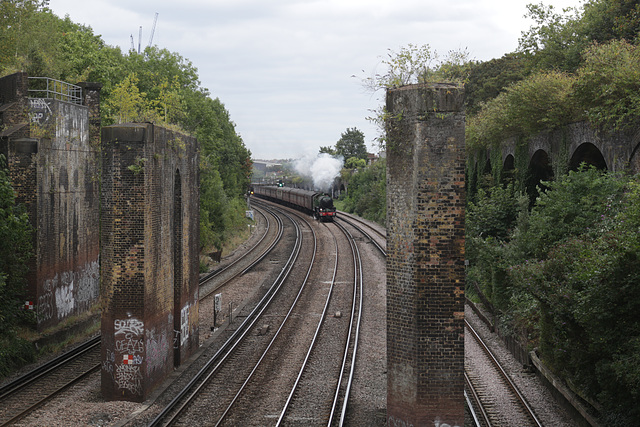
[(425, 256), (149, 256), (55, 174)]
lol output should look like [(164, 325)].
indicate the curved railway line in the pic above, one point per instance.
[(313, 342), (32, 390), (289, 336), (28, 392), (216, 377), (491, 391)]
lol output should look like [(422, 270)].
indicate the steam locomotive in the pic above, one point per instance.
[(320, 205)]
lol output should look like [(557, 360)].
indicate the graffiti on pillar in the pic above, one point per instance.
[(129, 344), (157, 350), (40, 110), (437, 423), (395, 422), (129, 377), (69, 292), (184, 324), (129, 339), (45, 302), (109, 362), (88, 285), (64, 297)]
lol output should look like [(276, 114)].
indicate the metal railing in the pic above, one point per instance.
[(44, 87)]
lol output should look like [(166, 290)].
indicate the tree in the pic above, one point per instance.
[(351, 144), (488, 79), (30, 38), (328, 150), (367, 195), (15, 251), (126, 103), (554, 42), (606, 20), (608, 84), (355, 163)]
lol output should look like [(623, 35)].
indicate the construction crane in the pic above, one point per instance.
[(153, 29)]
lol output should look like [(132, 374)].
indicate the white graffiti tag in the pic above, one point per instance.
[(64, 300), (128, 326), (132, 342), (128, 377), (184, 325)]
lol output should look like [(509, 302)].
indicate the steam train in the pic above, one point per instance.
[(320, 205)]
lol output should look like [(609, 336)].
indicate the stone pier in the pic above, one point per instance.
[(425, 255)]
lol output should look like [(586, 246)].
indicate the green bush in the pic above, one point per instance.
[(15, 250), (367, 195), (570, 207), (586, 288), (14, 353), (541, 101), (608, 84)]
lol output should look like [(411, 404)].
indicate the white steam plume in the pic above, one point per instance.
[(322, 169)]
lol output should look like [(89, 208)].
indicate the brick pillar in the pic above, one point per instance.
[(425, 261), (91, 98), (149, 309)]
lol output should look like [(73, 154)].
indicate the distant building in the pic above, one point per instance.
[(372, 158), (263, 165)]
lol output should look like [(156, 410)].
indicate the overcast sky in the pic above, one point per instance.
[(283, 68)]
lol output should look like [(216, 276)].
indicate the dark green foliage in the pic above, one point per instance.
[(494, 215), (587, 289), (166, 88), (351, 144), (14, 353), (15, 250), (564, 276), (570, 207), (367, 196), (607, 20), (488, 79), (608, 84)]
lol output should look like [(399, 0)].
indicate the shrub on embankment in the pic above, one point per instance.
[(15, 249), (564, 277)]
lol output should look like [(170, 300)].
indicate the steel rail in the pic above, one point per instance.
[(528, 409), (357, 290), (282, 325), (32, 378), (475, 398), (191, 390), (273, 243), (367, 235), (40, 371), (361, 221), (314, 340)]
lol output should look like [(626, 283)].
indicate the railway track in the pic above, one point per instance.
[(32, 390), (295, 412), (484, 409), (331, 357), (227, 374), (375, 236), (296, 353), (491, 387), (216, 279), (29, 392)]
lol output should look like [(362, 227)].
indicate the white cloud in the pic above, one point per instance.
[(283, 67)]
